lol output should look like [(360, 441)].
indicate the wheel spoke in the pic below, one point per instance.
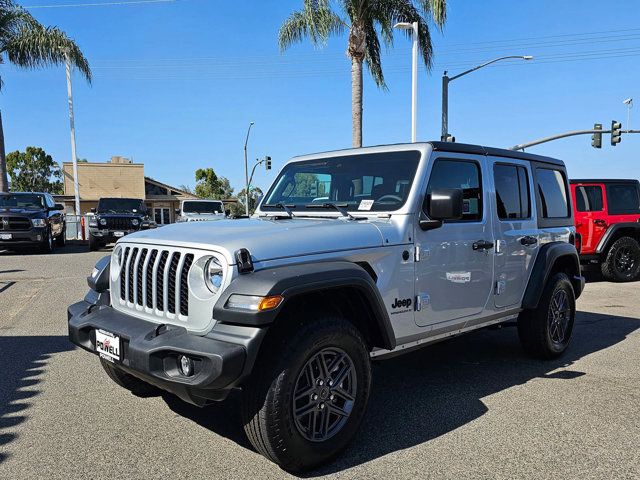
[(304, 393), (342, 375), (340, 392), (306, 410), (339, 411)]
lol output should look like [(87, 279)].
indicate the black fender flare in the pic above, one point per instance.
[(611, 233), (546, 259), (291, 281)]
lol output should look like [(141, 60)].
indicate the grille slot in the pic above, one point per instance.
[(15, 223), (184, 286), (116, 223), (125, 256), (171, 294), (149, 277), (132, 261), (139, 276), (160, 280)]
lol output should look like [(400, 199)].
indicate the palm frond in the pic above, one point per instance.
[(316, 21), (372, 56)]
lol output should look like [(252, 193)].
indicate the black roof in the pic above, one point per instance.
[(496, 152), (603, 180)]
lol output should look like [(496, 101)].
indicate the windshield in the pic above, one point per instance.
[(370, 182), (202, 207), (29, 201), (120, 205)]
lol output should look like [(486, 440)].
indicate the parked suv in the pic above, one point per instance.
[(200, 211), (116, 217), (352, 255), (607, 214), (30, 219)]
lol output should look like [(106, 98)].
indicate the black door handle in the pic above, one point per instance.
[(528, 240), (482, 245)]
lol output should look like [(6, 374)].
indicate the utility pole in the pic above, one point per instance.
[(74, 156), (246, 170)]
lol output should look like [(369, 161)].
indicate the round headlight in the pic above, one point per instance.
[(135, 222), (213, 275), (103, 221)]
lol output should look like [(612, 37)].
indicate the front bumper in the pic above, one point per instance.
[(22, 238), (150, 351)]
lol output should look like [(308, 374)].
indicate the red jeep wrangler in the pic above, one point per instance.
[(607, 216)]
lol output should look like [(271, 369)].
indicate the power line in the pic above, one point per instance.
[(98, 4)]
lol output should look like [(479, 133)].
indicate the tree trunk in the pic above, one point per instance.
[(356, 101), (4, 181)]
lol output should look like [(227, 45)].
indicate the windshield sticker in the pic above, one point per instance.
[(365, 205)]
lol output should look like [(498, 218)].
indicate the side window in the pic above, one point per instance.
[(49, 201), (461, 174), (512, 192), (623, 198), (589, 199), (553, 193)]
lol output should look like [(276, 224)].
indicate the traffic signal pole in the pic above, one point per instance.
[(522, 146)]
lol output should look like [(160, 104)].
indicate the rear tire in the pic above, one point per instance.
[(128, 382), (622, 263), (545, 331), (61, 240), (301, 372)]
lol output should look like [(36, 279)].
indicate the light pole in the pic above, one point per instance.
[(414, 74), (246, 170), (74, 156), (629, 103), (445, 90)]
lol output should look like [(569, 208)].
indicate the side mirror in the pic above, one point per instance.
[(93, 209), (58, 206), (440, 205)]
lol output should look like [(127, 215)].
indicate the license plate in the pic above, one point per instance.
[(118, 234), (5, 236), (107, 345)]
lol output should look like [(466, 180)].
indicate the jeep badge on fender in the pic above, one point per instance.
[(326, 281)]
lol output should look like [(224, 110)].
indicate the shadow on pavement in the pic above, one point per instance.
[(21, 363), (76, 247), (425, 394)]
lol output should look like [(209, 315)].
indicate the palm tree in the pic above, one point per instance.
[(365, 20), (27, 43)]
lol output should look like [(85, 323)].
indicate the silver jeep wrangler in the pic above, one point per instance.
[(352, 255)]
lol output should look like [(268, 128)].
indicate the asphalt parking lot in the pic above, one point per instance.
[(474, 407)]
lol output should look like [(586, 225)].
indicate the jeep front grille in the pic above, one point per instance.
[(115, 223), (156, 279), (15, 223)]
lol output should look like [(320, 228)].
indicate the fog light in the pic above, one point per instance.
[(186, 365)]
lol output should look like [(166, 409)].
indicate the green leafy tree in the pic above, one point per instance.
[(34, 171), (26, 43), (366, 21), (209, 185), (238, 209)]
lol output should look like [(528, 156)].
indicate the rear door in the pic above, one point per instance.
[(591, 214), (516, 230)]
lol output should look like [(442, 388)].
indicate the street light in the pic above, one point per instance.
[(445, 89), (414, 74), (629, 103), (246, 170), (74, 156)]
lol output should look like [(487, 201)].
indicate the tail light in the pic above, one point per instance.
[(576, 239)]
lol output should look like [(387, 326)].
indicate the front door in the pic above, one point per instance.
[(516, 230), (591, 214), (161, 215), (454, 274)]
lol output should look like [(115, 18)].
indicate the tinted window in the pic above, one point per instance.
[(202, 207), (623, 198), (512, 191), (120, 205), (382, 179), (553, 193), (459, 174), (29, 201), (589, 199)]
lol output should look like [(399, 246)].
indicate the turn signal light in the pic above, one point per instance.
[(269, 303)]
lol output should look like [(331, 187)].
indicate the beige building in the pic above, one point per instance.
[(124, 179)]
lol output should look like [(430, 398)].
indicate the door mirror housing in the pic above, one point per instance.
[(441, 205), (58, 206)]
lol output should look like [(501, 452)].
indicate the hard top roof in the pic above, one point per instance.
[(603, 180)]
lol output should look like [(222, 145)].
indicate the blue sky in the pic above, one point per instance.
[(177, 82)]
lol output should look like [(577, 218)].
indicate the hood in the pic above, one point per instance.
[(266, 239), (22, 212)]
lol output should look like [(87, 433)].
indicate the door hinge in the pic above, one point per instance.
[(423, 299)]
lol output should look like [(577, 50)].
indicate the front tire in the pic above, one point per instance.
[(622, 263), (61, 241), (308, 395), (47, 245), (545, 331)]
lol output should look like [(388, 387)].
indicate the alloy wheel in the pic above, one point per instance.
[(559, 316), (624, 260), (324, 394)]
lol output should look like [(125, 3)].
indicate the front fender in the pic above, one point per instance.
[(612, 233), (290, 281)]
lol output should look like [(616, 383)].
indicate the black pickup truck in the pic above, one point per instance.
[(31, 220), (116, 217)]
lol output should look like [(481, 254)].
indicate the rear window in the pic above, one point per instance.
[(623, 198), (512, 191), (552, 190), (589, 199)]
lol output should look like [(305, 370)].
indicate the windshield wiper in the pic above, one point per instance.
[(286, 208), (339, 207)]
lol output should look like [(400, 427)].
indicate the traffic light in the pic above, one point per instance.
[(596, 138), (267, 163), (616, 132)]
